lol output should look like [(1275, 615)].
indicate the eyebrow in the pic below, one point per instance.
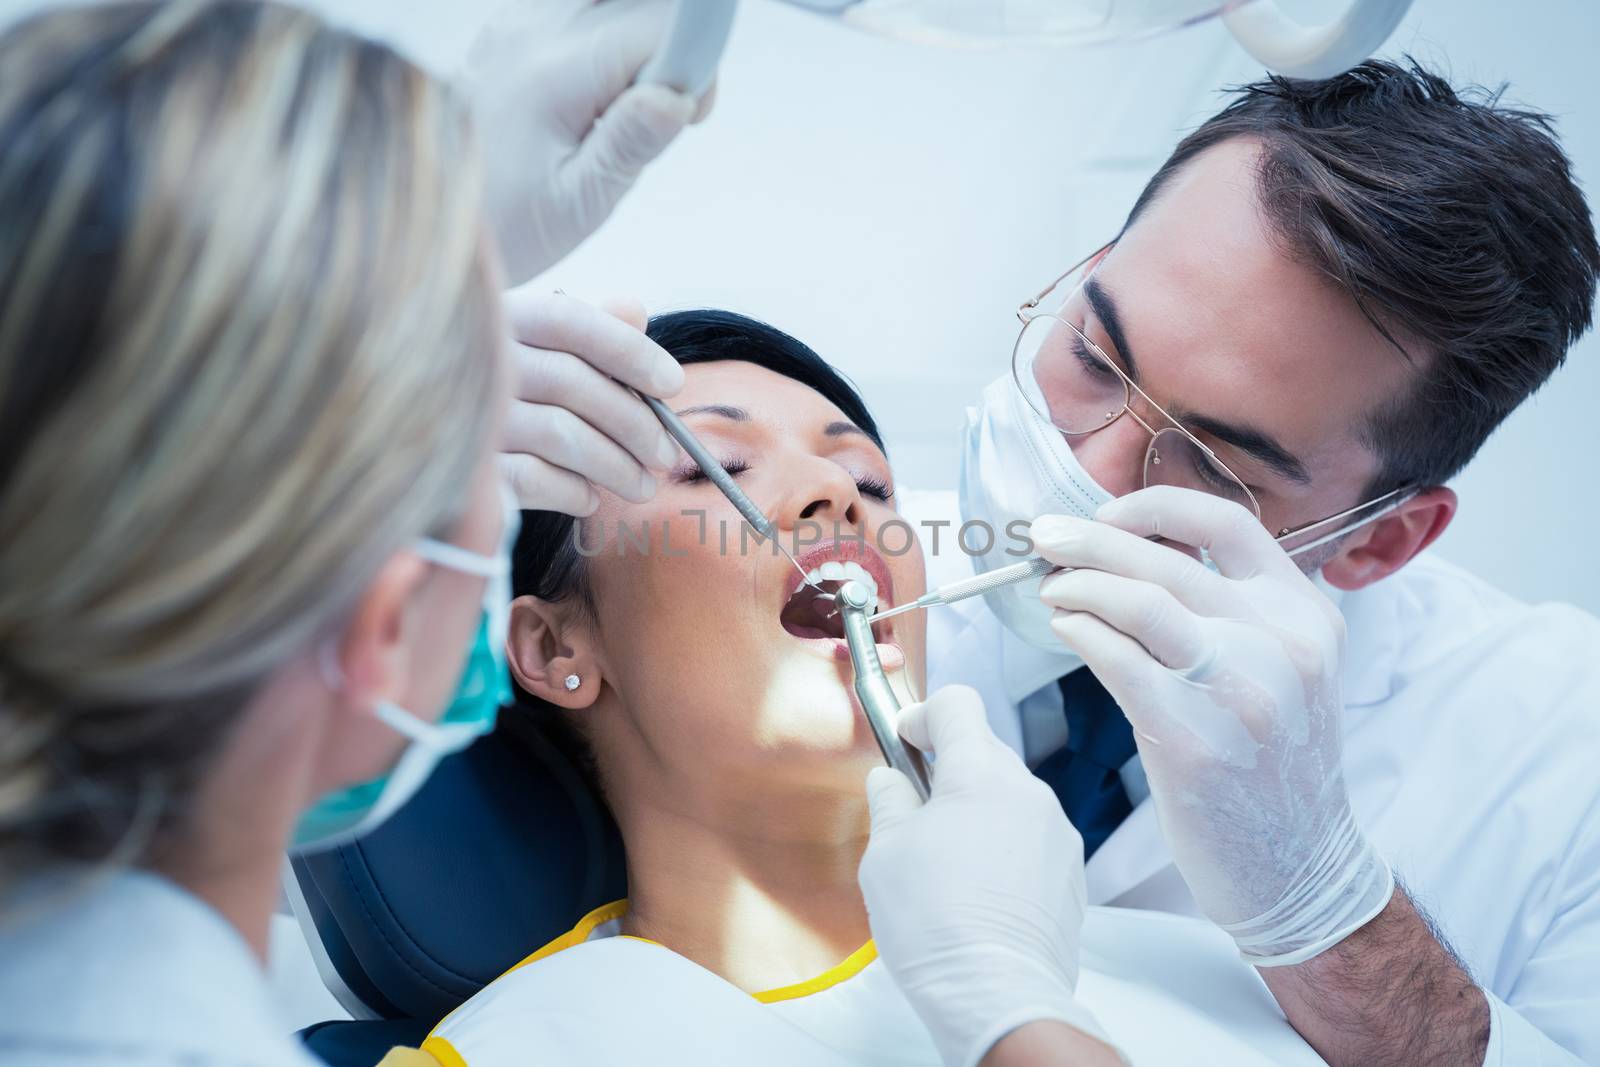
[(727, 411), (1253, 442), (1248, 439), (842, 429), (839, 428)]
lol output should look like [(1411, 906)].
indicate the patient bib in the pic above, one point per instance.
[(1166, 989)]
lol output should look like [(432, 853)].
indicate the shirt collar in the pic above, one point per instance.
[(1027, 668)]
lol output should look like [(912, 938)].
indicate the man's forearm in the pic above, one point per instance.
[(1391, 993), (1048, 1043)]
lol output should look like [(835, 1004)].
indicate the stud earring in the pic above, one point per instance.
[(572, 682)]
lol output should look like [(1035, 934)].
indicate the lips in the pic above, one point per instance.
[(809, 617)]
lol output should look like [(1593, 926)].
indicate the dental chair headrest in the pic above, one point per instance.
[(506, 847)]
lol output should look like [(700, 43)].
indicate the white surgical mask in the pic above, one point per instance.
[(1015, 467), (355, 810)]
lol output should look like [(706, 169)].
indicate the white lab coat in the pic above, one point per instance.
[(133, 971), (1472, 727)]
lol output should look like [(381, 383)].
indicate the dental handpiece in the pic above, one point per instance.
[(882, 707), (721, 479), (970, 587)]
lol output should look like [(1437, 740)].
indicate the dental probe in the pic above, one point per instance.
[(722, 479), (969, 587), (882, 707)]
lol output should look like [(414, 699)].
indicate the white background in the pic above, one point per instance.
[(891, 205)]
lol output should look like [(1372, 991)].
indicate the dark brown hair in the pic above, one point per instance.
[(1454, 222)]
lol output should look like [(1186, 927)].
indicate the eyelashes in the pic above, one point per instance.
[(866, 484), (876, 488)]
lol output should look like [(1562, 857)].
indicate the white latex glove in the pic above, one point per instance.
[(563, 129), (976, 898), (571, 427), (1231, 679)]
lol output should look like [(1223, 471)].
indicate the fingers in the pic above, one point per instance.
[(1168, 630), (541, 486), (633, 131), (950, 718), (554, 321), (1081, 543), (953, 726), (1117, 660), (891, 799), (1234, 538), (558, 437), (544, 377)]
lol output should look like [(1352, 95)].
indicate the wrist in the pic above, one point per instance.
[(971, 1000), (1051, 1043), (1341, 888)]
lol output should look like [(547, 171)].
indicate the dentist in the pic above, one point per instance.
[(1253, 693)]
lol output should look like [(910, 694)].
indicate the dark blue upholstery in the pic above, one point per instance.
[(505, 848)]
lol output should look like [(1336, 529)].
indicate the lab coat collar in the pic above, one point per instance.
[(1374, 639), (1027, 668)]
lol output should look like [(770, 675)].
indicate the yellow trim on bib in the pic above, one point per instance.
[(400, 1056), (851, 966), (579, 933), (443, 1051), (848, 968)]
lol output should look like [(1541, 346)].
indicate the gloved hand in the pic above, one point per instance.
[(571, 427), (976, 898), (563, 129), (1231, 680)]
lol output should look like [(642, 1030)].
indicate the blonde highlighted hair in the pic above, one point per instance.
[(249, 330)]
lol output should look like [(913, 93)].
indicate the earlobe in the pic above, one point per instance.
[(1393, 541), (545, 652)]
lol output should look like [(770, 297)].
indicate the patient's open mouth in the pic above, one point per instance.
[(809, 613)]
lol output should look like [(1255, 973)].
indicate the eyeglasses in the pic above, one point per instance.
[(1071, 383)]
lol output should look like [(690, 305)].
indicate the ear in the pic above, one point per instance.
[(1392, 541), (543, 650), (374, 653)]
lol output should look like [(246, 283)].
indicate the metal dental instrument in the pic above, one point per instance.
[(969, 587), (722, 480), (878, 700)]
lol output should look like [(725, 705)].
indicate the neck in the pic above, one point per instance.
[(756, 885), (229, 853)]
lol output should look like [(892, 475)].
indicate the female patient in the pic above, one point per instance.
[(713, 699)]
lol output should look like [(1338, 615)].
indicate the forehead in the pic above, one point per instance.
[(769, 397), (1226, 321)]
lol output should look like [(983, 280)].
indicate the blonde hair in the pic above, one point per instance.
[(248, 334)]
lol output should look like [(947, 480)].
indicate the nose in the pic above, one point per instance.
[(1114, 454), (823, 492)]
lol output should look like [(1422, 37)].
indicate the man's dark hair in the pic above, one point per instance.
[(1453, 220)]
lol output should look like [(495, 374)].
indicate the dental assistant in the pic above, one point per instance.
[(1371, 769), (253, 381)]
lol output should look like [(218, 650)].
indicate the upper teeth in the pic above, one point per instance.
[(843, 570)]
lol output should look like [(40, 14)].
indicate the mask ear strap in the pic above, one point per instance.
[(460, 559)]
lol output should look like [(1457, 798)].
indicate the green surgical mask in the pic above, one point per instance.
[(355, 810)]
